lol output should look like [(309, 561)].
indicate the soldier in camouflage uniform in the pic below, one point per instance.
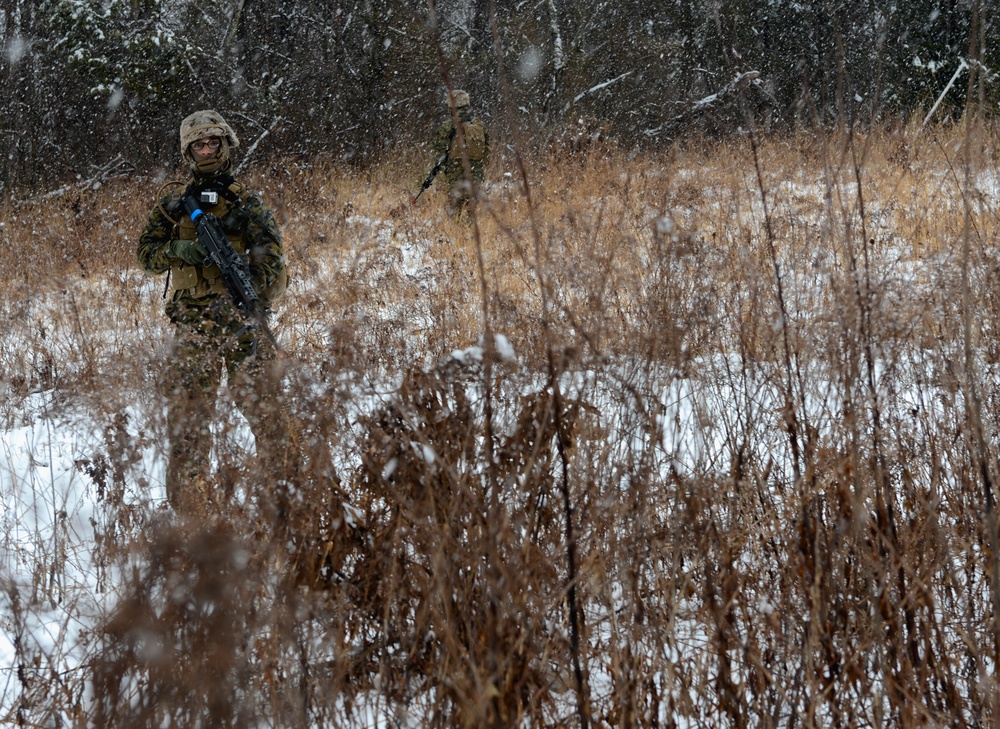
[(210, 333), (469, 140)]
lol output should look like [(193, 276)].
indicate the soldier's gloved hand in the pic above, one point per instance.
[(189, 251)]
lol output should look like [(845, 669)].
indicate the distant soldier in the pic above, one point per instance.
[(471, 137), (210, 332)]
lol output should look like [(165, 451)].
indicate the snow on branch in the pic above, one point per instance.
[(744, 80), (962, 65), (117, 167), (557, 61), (602, 85), (258, 140), (727, 89)]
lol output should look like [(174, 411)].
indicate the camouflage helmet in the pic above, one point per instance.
[(206, 123), (460, 98)]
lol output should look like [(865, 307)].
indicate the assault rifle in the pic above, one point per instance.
[(234, 267), (431, 176)]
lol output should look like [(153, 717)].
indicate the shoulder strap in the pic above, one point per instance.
[(234, 192), (226, 185)]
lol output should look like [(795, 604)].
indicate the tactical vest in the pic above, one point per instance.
[(197, 282), (475, 142)]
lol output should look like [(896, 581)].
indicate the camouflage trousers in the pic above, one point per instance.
[(462, 193), (208, 342)]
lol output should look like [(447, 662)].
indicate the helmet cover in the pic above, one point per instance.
[(460, 98), (207, 123)]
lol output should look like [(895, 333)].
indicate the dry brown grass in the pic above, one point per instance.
[(742, 472)]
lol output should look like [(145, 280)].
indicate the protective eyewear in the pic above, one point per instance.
[(212, 144)]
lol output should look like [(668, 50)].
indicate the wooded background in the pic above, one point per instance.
[(97, 86)]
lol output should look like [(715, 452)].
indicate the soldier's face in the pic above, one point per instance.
[(205, 148)]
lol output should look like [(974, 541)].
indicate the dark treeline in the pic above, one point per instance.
[(94, 86)]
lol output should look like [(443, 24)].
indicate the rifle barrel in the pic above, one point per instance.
[(430, 178)]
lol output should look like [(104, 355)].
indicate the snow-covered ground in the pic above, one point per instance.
[(57, 448)]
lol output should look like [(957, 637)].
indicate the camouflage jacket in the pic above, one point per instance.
[(249, 225), (446, 140)]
